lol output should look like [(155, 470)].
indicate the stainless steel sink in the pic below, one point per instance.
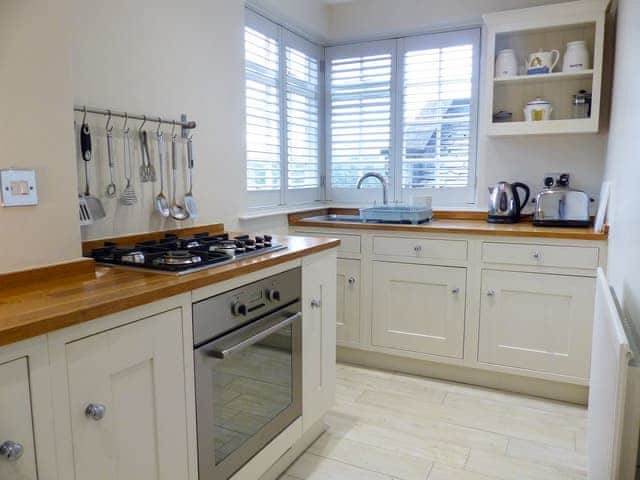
[(335, 218), (351, 219)]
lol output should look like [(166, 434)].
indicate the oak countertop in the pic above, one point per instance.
[(454, 222), (40, 305)]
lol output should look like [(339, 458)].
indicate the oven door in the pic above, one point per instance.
[(248, 390)]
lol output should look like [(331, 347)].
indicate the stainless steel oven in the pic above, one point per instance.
[(248, 370)]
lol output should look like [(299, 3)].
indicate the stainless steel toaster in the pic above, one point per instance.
[(558, 205)]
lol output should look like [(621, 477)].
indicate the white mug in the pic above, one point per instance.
[(576, 57), (506, 64), (542, 62)]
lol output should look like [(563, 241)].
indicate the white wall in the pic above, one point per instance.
[(166, 58), (307, 17), (364, 19), (623, 165), (35, 132)]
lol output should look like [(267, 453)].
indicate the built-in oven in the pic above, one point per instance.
[(248, 370)]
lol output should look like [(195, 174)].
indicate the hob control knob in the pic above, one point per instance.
[(273, 295), (238, 309), (268, 238)]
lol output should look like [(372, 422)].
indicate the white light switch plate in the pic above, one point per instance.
[(18, 188)]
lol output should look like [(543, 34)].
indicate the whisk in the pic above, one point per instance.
[(128, 196)]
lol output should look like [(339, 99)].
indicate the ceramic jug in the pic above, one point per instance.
[(542, 62), (576, 57), (506, 64)]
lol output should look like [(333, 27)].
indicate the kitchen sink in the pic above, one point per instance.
[(355, 219), (335, 218)]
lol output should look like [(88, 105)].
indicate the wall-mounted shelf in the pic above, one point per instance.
[(549, 127), (549, 27), (546, 77)]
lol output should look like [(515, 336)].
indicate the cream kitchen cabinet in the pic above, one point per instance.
[(419, 308), (318, 336), (537, 322), (348, 302), (26, 420), (119, 395)]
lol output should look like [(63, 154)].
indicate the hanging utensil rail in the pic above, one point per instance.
[(184, 123)]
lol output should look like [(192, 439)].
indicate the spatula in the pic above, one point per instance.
[(94, 206)]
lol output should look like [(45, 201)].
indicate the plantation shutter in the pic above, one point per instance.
[(360, 109), (262, 63), (303, 120), (439, 96)]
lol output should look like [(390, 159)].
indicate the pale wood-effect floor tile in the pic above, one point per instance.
[(382, 460), (392, 426)]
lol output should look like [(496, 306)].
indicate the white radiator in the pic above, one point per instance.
[(614, 391)]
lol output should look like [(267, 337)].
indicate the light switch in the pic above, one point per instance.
[(18, 188)]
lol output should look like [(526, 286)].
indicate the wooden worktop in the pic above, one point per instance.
[(39, 301), (451, 222)]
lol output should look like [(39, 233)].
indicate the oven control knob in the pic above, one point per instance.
[(238, 309), (273, 295)]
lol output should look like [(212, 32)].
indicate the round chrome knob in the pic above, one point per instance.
[(455, 291), (11, 451), (238, 309), (316, 303), (95, 411), (273, 295), (491, 293), (352, 280), (537, 255)]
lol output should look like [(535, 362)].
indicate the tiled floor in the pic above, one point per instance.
[(388, 426)]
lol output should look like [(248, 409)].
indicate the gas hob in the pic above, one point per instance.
[(181, 255)]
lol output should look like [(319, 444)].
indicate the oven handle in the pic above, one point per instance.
[(220, 349)]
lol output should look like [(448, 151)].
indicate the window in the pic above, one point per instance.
[(406, 109), (283, 117), (360, 117)]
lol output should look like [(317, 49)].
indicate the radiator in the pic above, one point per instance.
[(614, 391)]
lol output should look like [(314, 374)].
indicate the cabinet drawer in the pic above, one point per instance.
[(420, 248), (540, 255), (348, 243)]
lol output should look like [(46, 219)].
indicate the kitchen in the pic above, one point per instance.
[(308, 343)]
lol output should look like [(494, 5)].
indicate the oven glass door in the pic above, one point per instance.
[(248, 389)]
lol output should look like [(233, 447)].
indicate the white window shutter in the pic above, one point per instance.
[(360, 112), (262, 60), (438, 95)]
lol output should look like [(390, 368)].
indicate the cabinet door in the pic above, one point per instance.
[(419, 308), (16, 425), (137, 373), (537, 322), (318, 336), (348, 302)]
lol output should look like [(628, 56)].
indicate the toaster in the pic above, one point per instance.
[(558, 205)]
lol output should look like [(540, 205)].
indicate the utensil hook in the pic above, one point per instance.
[(159, 125), (144, 120), (108, 127), (173, 130), (125, 129), (84, 115)]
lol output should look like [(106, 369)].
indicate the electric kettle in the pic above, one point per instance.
[(504, 202)]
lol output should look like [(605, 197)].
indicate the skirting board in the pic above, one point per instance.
[(501, 381)]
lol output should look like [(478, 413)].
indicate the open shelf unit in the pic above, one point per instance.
[(546, 28)]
